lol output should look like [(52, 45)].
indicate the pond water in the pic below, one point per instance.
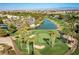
[(47, 24), (4, 26)]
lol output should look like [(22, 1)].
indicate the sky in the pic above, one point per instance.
[(37, 5)]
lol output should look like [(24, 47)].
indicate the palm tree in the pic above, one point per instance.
[(31, 43), (54, 35)]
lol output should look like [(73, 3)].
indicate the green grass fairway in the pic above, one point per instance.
[(40, 34), (59, 47)]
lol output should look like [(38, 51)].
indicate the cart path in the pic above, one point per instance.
[(73, 45)]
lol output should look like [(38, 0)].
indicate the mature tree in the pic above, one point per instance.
[(3, 32), (1, 22)]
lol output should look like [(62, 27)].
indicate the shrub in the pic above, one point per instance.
[(3, 32)]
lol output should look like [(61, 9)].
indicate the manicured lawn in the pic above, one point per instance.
[(40, 34), (59, 47), (23, 49)]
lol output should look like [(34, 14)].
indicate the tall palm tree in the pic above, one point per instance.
[(53, 35)]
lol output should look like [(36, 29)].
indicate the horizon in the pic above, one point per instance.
[(23, 6)]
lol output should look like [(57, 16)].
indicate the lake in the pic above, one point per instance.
[(47, 24)]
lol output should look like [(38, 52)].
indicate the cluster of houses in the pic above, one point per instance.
[(30, 20), (18, 21), (9, 19), (50, 11), (12, 19)]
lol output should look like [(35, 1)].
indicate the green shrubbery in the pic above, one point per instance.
[(6, 32), (1, 20), (3, 32), (11, 28)]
